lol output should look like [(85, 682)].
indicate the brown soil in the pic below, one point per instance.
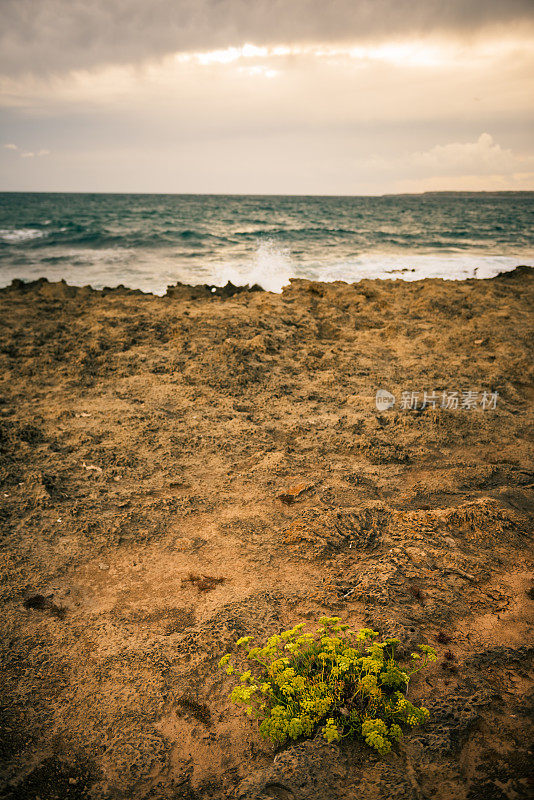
[(181, 471)]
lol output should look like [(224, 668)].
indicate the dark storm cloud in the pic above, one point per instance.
[(54, 35)]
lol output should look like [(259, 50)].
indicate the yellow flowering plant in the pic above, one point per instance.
[(345, 683)]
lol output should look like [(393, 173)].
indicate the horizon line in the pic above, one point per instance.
[(271, 194)]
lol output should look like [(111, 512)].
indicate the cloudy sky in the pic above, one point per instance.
[(266, 96)]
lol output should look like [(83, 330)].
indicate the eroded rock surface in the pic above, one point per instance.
[(146, 448)]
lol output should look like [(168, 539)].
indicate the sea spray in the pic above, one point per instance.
[(149, 242), (271, 268)]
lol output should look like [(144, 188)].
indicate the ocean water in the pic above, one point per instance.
[(151, 241)]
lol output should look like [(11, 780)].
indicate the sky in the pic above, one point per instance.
[(344, 97)]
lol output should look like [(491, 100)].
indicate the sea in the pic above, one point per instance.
[(149, 241)]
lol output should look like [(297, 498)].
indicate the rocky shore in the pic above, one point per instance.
[(181, 471)]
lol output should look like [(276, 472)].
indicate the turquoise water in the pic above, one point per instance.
[(151, 241)]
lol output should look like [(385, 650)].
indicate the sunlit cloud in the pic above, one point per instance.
[(480, 157), (413, 61), (55, 36), (226, 56), (388, 108), (31, 154), (402, 53), (259, 70), (484, 155), (473, 165)]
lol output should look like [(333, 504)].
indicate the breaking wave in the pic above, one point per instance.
[(152, 241), (20, 235)]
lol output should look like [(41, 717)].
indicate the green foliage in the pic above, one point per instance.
[(344, 682)]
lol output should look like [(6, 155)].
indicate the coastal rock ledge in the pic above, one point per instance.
[(180, 471)]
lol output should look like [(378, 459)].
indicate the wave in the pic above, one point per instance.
[(148, 242), (20, 235), (294, 233), (373, 234), (418, 266), (78, 235), (271, 268)]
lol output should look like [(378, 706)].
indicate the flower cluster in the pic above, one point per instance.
[(344, 682)]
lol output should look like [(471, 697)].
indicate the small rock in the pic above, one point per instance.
[(416, 555), (92, 468), (290, 494)]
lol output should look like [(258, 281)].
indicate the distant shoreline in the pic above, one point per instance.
[(443, 192)]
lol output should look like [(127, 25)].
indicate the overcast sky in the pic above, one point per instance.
[(266, 96)]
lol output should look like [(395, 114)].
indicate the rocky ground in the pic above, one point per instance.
[(181, 471)]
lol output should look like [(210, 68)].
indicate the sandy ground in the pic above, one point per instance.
[(144, 443)]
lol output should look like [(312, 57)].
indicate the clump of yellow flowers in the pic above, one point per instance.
[(343, 682)]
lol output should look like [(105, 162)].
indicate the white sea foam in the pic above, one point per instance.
[(415, 267), (16, 235), (151, 243), (271, 269)]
